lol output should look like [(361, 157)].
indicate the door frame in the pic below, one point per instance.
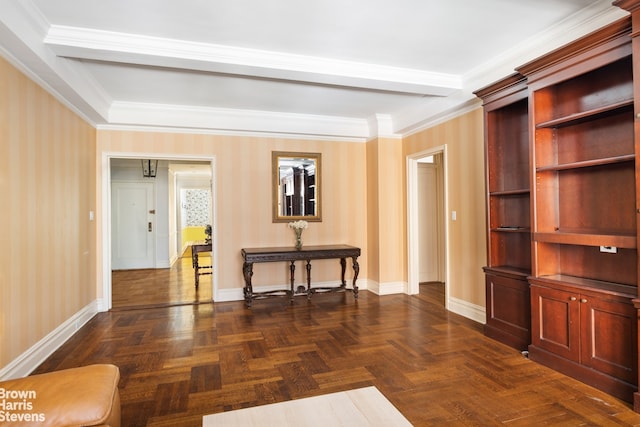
[(413, 250), (106, 300), (434, 200)]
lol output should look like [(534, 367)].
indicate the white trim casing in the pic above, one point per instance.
[(106, 216), (413, 286)]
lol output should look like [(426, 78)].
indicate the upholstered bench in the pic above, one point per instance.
[(85, 396)]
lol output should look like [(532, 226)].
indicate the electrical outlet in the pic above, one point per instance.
[(609, 249)]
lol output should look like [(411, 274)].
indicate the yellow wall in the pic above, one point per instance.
[(463, 137), (243, 196), (192, 234), (47, 188)]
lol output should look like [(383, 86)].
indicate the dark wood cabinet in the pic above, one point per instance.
[(508, 211), (587, 333), (508, 312), (584, 271), (556, 326), (609, 333)]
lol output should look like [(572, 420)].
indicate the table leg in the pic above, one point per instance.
[(308, 279), (356, 270), (343, 264), (247, 270), (194, 261), (292, 269)]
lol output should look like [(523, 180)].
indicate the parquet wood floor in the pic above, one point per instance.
[(160, 287), (182, 362)]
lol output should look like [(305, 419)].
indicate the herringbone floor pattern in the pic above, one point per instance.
[(180, 363)]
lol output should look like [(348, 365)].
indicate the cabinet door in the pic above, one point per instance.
[(508, 309), (609, 337), (555, 321)]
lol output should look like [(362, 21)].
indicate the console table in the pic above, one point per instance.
[(196, 248), (291, 255)]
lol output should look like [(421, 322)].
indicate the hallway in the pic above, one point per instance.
[(135, 289)]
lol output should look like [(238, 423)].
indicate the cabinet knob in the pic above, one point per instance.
[(583, 300), (573, 298)]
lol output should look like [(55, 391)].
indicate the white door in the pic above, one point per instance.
[(428, 224), (132, 225)]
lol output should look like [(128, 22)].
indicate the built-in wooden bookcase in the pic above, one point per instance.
[(633, 6), (585, 259), (585, 177), (508, 211)]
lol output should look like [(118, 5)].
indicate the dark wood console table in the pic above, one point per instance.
[(291, 255), (196, 248)]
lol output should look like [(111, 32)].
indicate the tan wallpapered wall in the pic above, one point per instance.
[(51, 177), (47, 189)]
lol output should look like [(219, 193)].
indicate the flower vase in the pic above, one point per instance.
[(298, 239)]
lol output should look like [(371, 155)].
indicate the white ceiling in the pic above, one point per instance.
[(332, 68)]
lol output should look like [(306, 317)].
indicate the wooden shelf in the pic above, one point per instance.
[(587, 239), (584, 116), (588, 163), (518, 192), (512, 229), (509, 271)]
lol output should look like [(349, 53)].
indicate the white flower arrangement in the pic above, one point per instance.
[(298, 225)]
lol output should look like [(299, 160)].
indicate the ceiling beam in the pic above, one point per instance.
[(107, 46)]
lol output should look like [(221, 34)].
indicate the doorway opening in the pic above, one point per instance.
[(145, 259), (427, 228)]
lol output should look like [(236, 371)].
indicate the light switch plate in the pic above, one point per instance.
[(609, 249)]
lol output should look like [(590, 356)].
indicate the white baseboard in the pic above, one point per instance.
[(464, 308), (163, 263), (390, 288), (387, 288), (225, 295), (101, 305), (24, 364)]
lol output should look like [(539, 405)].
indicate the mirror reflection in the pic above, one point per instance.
[(296, 186)]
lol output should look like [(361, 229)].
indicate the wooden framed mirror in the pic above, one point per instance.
[(296, 186)]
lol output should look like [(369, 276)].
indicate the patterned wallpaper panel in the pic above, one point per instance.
[(196, 205)]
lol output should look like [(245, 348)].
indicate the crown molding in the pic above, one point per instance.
[(22, 28), (587, 20), (245, 134), (381, 126), (435, 111), (230, 120)]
